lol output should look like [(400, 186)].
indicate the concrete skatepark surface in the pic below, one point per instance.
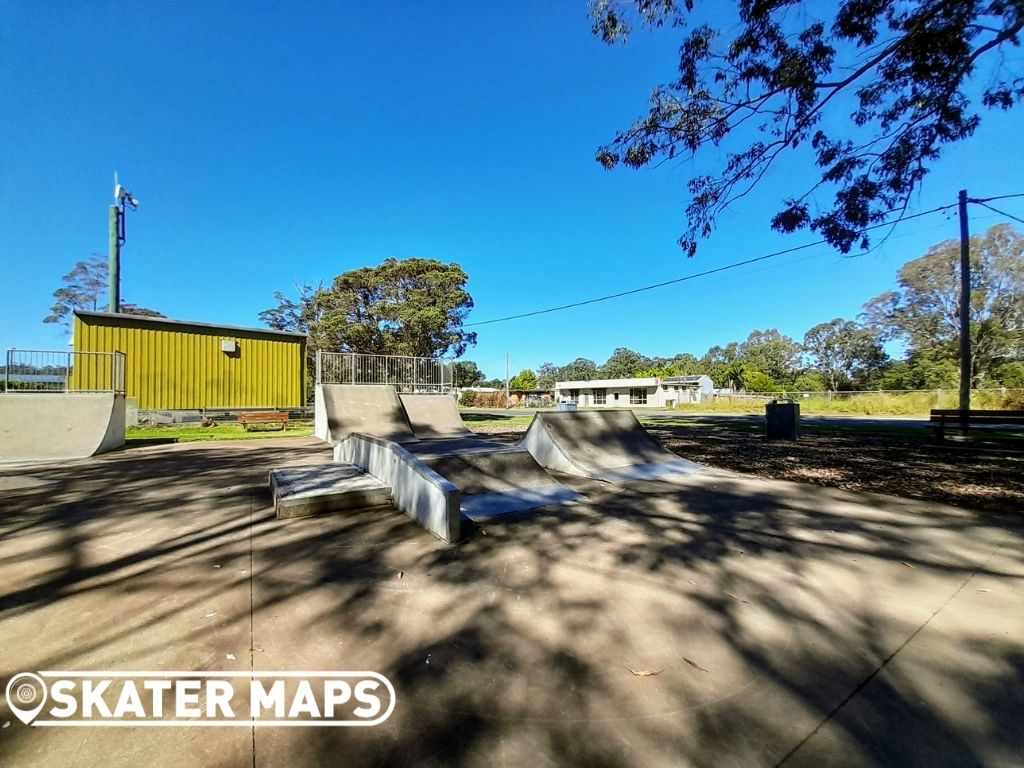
[(788, 624), (37, 426)]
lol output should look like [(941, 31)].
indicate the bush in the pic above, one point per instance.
[(490, 400), (467, 399)]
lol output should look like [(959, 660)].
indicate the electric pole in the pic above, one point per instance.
[(506, 379), (965, 311)]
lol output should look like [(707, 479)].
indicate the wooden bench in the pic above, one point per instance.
[(997, 421), (263, 417)]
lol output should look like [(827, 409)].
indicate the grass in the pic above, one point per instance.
[(865, 403), (187, 433)]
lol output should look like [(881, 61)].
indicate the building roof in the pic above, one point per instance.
[(685, 379), (129, 319), (650, 381)]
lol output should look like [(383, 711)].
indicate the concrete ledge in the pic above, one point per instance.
[(305, 491), (416, 489)]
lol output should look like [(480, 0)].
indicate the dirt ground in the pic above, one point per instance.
[(972, 476)]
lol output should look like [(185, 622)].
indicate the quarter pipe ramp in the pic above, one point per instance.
[(59, 425), (604, 445)]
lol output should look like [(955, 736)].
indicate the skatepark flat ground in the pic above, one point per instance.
[(788, 624)]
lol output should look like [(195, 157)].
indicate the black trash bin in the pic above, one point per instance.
[(783, 420)]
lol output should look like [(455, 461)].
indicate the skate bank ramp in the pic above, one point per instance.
[(59, 425), (368, 409), (492, 478), (604, 445), (433, 416)]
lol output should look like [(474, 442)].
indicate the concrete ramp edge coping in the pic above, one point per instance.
[(417, 490)]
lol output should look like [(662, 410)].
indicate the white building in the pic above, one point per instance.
[(626, 393)]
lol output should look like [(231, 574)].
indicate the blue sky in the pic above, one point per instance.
[(274, 144)]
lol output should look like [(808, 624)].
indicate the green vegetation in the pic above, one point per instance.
[(82, 288), (413, 307), (186, 433), (867, 403)]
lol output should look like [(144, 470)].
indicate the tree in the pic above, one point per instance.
[(624, 364), (757, 381), (547, 375), (467, 374), (414, 307), (84, 285), (870, 91), (525, 379), (734, 375), (925, 315), (772, 353), (843, 352), (580, 369)]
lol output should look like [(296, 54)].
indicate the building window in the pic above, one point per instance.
[(637, 396), (574, 395), (600, 396)]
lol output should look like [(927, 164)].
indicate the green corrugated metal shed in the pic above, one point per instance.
[(179, 365)]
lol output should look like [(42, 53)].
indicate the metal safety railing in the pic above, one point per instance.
[(36, 370), (407, 374)]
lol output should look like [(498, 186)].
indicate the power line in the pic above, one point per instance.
[(984, 200), (1001, 213), (697, 275)]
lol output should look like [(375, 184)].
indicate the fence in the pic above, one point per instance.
[(33, 370), (407, 374), (895, 401)]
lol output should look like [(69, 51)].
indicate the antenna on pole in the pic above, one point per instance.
[(123, 200)]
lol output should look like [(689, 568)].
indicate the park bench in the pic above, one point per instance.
[(997, 421), (263, 417)]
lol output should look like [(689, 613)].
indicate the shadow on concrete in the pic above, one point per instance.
[(767, 610)]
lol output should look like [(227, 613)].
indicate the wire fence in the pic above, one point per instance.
[(407, 374), (35, 370)]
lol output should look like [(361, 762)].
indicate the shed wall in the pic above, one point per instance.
[(180, 366)]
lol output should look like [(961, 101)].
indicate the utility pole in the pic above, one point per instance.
[(506, 379), (965, 311)]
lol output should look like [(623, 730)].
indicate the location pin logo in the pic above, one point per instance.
[(26, 695)]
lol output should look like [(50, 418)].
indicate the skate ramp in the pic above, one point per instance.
[(59, 425), (433, 416), (492, 480), (366, 409), (604, 445)]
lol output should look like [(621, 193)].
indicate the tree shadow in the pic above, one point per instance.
[(761, 607)]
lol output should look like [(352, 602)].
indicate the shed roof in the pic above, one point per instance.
[(122, 318)]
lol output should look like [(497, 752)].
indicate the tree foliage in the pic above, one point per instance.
[(624, 363), (872, 91), (83, 288), (843, 352), (467, 374), (413, 307), (525, 379), (924, 313)]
